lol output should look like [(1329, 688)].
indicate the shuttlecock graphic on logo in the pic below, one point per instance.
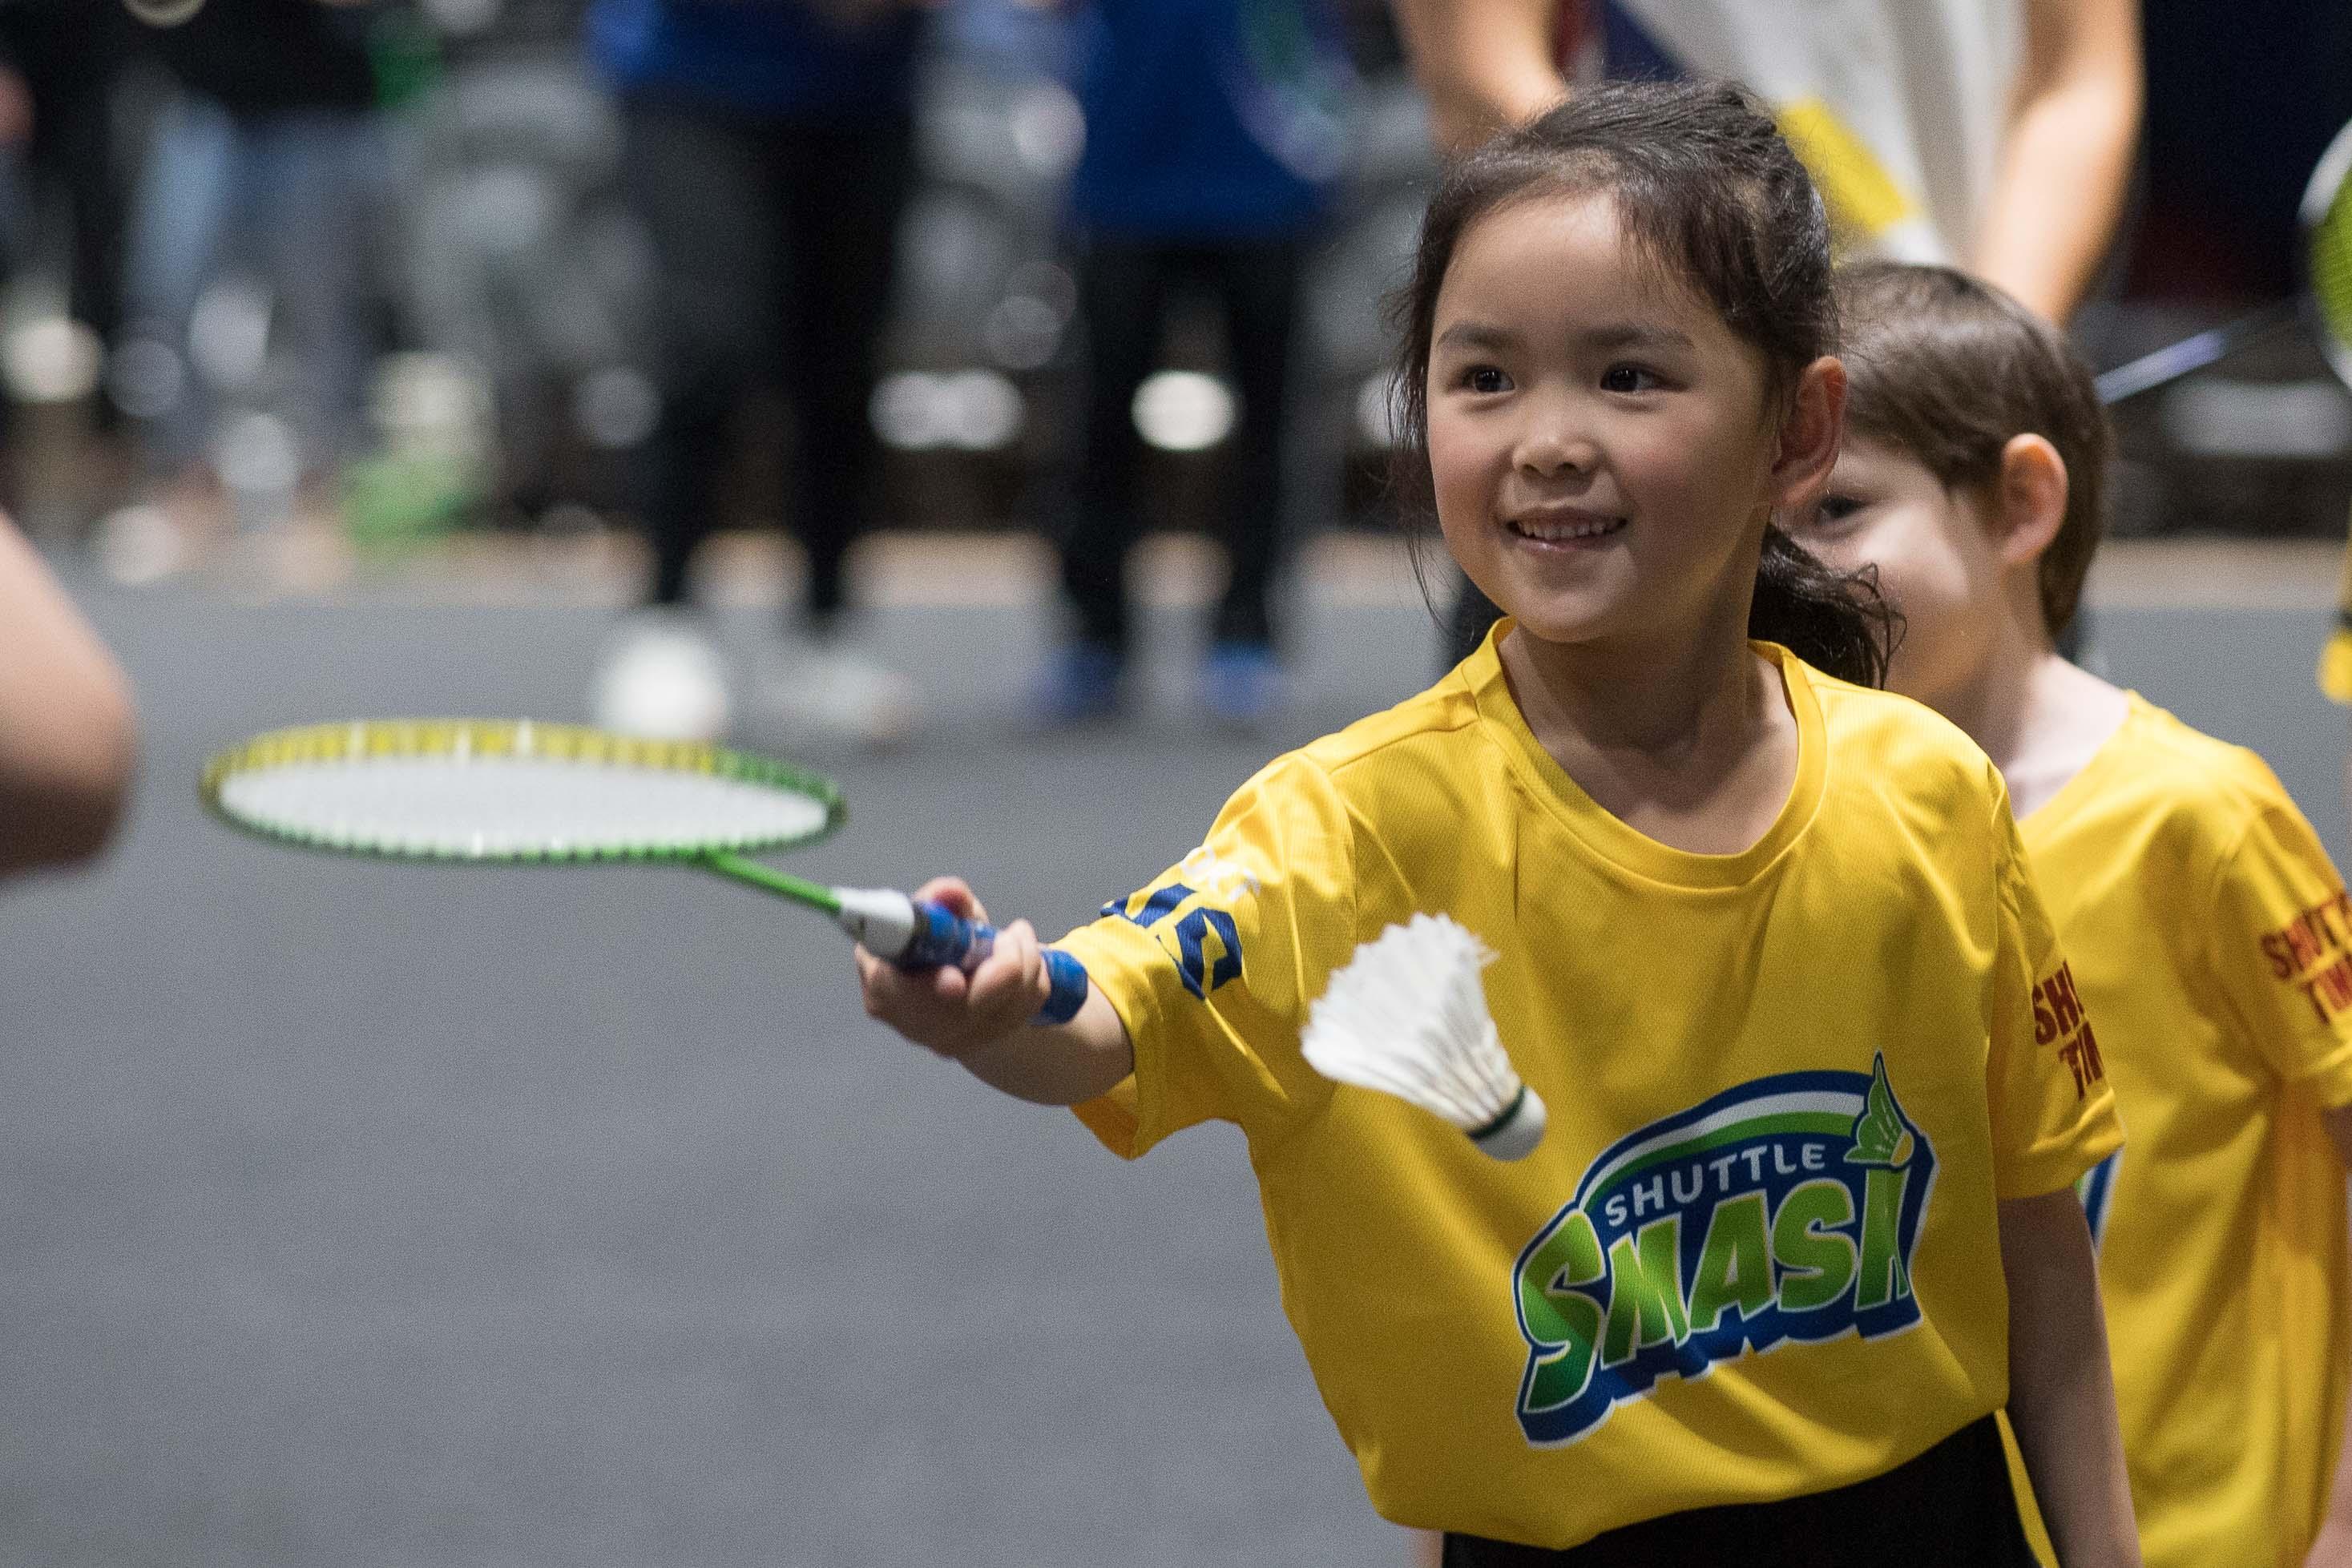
[(1881, 1135), (1408, 1017)]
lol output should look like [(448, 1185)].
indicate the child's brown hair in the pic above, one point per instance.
[(1947, 370)]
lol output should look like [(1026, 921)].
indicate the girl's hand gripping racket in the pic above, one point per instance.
[(913, 932), (524, 793)]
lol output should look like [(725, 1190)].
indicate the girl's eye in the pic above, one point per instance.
[(1835, 512), (1485, 379), (1628, 378)]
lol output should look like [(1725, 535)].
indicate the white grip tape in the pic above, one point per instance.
[(880, 919)]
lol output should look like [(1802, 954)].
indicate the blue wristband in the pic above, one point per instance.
[(1070, 986)]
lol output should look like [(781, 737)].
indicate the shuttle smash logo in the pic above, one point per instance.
[(1784, 1209)]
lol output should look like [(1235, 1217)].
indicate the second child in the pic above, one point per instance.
[(2211, 939)]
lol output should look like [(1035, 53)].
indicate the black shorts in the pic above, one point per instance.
[(1952, 1507)]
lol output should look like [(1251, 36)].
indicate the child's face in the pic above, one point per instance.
[(1602, 454), (1938, 557)]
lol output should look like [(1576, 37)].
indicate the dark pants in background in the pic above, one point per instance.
[(69, 57), (1125, 288), (774, 245)]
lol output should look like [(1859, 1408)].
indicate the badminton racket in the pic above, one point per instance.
[(485, 791), (2325, 306)]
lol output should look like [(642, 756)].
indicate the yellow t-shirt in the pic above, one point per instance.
[(1755, 1255), (2212, 942)]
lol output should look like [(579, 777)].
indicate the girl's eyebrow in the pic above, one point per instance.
[(1605, 337), (1476, 335)]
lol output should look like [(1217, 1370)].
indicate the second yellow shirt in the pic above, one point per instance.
[(2212, 942)]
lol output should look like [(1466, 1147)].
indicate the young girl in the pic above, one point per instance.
[(1766, 944), (2207, 929)]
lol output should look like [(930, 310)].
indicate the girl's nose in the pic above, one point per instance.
[(1552, 446)]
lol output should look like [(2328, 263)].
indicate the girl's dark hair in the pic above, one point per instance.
[(1946, 370), (1704, 185)]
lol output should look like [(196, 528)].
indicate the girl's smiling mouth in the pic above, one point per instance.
[(1563, 527)]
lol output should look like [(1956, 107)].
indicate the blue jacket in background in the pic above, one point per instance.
[(1209, 120), (756, 58)]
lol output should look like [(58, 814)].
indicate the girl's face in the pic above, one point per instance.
[(1603, 460), (1938, 559)]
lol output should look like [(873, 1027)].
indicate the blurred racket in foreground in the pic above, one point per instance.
[(2327, 216), (516, 793)]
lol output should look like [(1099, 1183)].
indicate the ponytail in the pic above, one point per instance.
[(1836, 622)]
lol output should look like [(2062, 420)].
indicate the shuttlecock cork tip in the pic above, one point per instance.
[(1514, 1135)]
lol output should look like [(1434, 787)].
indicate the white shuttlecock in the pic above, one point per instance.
[(659, 676), (1408, 1017)]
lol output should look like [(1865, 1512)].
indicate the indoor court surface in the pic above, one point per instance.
[(380, 1215)]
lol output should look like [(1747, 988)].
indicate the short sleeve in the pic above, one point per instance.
[(1212, 965), (2053, 1115), (2282, 950)]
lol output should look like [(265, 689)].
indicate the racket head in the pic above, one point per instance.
[(2327, 216), (512, 792)]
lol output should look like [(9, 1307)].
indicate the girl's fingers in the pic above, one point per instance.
[(882, 985), (953, 892), (943, 1006), (902, 996), (1010, 970)]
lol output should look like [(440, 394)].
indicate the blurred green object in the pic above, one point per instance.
[(435, 464), (395, 502), (2328, 222), (405, 56)]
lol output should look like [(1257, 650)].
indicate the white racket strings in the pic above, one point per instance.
[(514, 807)]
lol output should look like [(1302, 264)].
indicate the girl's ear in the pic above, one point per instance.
[(1809, 438), (2029, 498)]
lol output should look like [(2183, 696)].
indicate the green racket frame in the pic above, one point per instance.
[(911, 933), (463, 737)]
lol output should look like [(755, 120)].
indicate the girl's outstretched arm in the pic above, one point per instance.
[(983, 1020), (2061, 1392)]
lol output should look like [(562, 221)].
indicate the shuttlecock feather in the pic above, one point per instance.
[(1408, 1017)]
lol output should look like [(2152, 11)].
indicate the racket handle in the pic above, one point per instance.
[(918, 935), (942, 937)]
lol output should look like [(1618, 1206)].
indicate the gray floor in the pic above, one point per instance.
[(352, 1213)]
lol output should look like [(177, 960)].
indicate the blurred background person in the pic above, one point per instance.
[(770, 154), (1992, 135), (1214, 133), (59, 63), (266, 164), (68, 740)]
